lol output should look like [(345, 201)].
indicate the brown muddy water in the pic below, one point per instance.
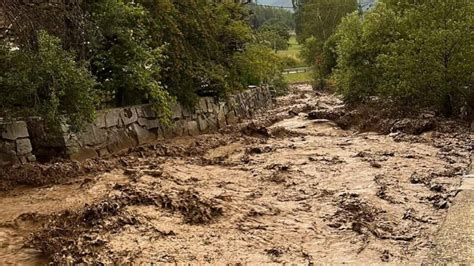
[(281, 189)]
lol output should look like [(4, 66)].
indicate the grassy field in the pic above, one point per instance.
[(293, 50), (299, 77)]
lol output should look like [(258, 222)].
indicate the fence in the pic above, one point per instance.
[(296, 70)]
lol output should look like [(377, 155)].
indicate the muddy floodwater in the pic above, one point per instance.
[(284, 188)]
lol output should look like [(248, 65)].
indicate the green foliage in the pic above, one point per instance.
[(277, 26), (288, 61), (200, 39), (123, 57), (257, 65), (412, 54), (46, 82), (316, 22), (133, 52), (302, 77), (262, 15), (321, 56), (275, 35), (319, 18)]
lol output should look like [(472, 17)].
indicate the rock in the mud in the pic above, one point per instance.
[(375, 164), (253, 129), (413, 126), (386, 255), (415, 179), (258, 150), (153, 173), (329, 114), (276, 252), (437, 188), (442, 204)]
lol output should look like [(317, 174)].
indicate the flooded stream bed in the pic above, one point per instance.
[(280, 189)]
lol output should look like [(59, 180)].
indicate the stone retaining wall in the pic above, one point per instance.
[(117, 130), (15, 145)]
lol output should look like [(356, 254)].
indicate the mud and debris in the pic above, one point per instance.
[(304, 183)]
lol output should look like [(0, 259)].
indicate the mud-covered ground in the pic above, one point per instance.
[(297, 185)]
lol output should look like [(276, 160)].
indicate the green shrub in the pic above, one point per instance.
[(413, 55), (258, 65), (321, 57), (123, 56), (46, 82), (288, 61)]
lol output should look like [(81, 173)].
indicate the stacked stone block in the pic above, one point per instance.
[(15, 145), (117, 130)]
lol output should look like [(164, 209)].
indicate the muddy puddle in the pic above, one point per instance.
[(282, 189)]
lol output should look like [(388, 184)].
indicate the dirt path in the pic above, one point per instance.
[(283, 189)]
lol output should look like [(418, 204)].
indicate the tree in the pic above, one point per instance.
[(411, 54), (260, 15), (123, 57), (316, 22), (46, 82), (257, 65), (200, 39), (319, 18), (127, 52), (274, 34)]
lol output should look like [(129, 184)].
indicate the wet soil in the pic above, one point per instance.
[(298, 184)]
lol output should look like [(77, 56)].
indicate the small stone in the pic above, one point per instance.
[(437, 188), (131, 171), (441, 204), (103, 152), (23, 160), (375, 164), (415, 179)]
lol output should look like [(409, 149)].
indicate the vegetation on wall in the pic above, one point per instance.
[(109, 53), (47, 82)]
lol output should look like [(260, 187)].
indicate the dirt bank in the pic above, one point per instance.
[(289, 187)]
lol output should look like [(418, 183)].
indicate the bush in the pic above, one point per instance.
[(130, 52), (123, 57), (200, 40), (412, 55), (46, 82), (258, 65), (321, 56), (288, 61)]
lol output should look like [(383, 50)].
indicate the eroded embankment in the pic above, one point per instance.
[(288, 187)]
